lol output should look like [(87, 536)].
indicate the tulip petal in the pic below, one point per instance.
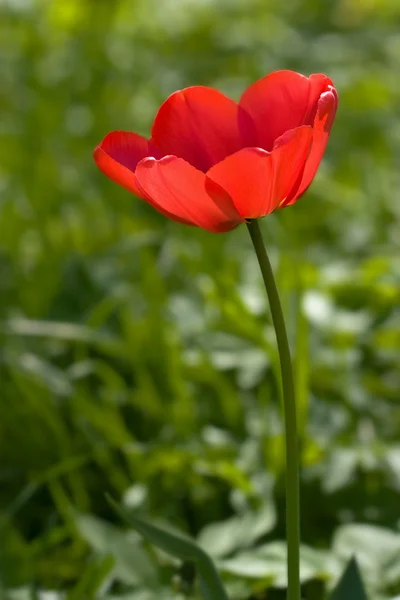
[(259, 181), (198, 124), (324, 118), (279, 102), (247, 176), (319, 84), (119, 153), (177, 187)]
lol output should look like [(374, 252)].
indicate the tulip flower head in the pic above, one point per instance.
[(215, 163)]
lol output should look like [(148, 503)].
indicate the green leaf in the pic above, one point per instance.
[(182, 547), (132, 564), (93, 578), (170, 541), (222, 538), (339, 470), (350, 586), (375, 548), (269, 563)]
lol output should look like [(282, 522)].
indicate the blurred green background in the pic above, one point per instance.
[(137, 356)]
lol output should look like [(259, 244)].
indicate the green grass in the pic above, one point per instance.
[(137, 356)]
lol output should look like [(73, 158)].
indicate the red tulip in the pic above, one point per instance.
[(213, 163)]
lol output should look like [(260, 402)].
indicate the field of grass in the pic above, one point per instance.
[(137, 356)]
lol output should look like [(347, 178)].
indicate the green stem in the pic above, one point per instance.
[(289, 404)]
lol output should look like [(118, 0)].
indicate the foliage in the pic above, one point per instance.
[(137, 356)]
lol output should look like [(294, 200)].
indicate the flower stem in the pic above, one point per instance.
[(289, 404)]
